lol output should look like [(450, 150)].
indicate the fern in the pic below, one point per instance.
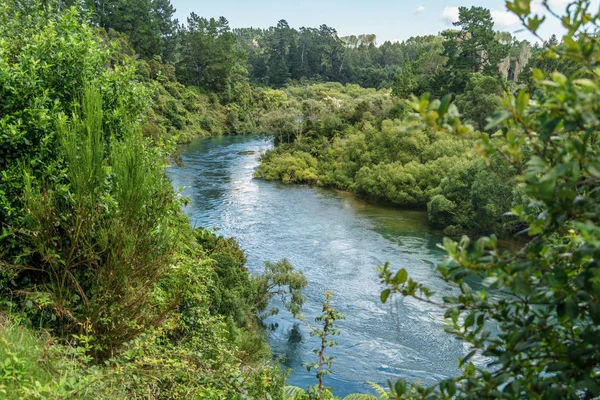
[(383, 394), (359, 396), (293, 393)]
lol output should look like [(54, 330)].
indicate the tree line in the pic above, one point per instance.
[(208, 53)]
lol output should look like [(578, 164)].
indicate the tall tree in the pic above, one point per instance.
[(149, 24), (474, 47), (209, 53), (280, 43), (332, 53), (305, 53), (404, 81)]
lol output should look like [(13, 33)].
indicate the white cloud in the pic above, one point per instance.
[(420, 9), (450, 14), (557, 6), (504, 19), (558, 3)]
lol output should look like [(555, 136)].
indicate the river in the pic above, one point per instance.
[(337, 240)]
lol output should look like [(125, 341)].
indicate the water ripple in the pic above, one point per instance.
[(337, 240)]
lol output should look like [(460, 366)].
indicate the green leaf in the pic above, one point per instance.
[(454, 313), (534, 23), (489, 281), (384, 295), (546, 187), (401, 276), (593, 168), (400, 386), (572, 308), (465, 288), (571, 44), (445, 103), (585, 83), (538, 75), (467, 358), (470, 321), (293, 392), (524, 6), (588, 385), (549, 127), (522, 101), (480, 320), (497, 119)]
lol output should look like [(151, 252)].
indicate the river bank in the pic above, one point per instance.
[(337, 240)]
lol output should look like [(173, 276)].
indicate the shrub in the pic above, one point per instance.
[(536, 314), (97, 239)]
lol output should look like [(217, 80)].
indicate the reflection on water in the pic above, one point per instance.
[(337, 240)]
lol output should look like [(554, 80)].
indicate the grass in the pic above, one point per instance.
[(22, 358)]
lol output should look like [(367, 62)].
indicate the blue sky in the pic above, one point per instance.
[(389, 20)]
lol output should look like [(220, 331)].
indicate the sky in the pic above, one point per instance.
[(393, 20)]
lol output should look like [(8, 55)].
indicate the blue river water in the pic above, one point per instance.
[(337, 240)]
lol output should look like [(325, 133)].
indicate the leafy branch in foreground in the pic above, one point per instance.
[(323, 363), (296, 393), (542, 300)]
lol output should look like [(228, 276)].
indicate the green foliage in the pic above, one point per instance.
[(541, 299), (157, 364), (404, 81), (234, 294), (148, 24), (357, 396), (179, 113), (296, 393), (323, 363), (208, 53), (474, 48), (345, 137), (95, 241), (94, 247), (381, 392), (93, 244), (298, 167), (244, 294), (409, 166), (44, 72), (241, 298), (282, 54), (280, 278), (481, 97), (19, 353), (546, 61)]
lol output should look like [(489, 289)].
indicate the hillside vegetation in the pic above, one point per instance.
[(96, 255)]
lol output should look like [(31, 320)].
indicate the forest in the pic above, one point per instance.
[(108, 291)]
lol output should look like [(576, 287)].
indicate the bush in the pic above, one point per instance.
[(404, 164), (33, 94), (534, 312), (299, 167), (97, 240), (94, 249)]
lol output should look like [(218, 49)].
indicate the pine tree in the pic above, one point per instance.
[(404, 81)]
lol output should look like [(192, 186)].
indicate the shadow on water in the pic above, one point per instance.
[(337, 240)]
